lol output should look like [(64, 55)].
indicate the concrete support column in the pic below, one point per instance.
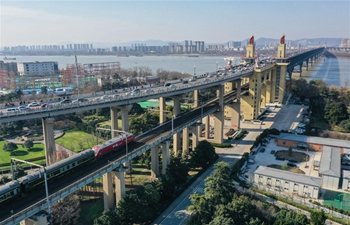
[(114, 121), (154, 163), (185, 142), (165, 156), (219, 116), (119, 183), (207, 125), (195, 98), (282, 81), (177, 136), (108, 200), (125, 117), (273, 86), (268, 87), (195, 136), (263, 91), (49, 141), (162, 106)]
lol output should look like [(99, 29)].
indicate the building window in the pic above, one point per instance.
[(284, 143)]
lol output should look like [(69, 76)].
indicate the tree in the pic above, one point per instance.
[(10, 147), (18, 171), (178, 170), (44, 90), (109, 217), (136, 109), (336, 112), (28, 144), (66, 211), (318, 217), (203, 155), (290, 151)]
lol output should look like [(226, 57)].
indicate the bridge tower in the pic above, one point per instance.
[(281, 70), (250, 51)]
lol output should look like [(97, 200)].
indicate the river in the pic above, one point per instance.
[(334, 71)]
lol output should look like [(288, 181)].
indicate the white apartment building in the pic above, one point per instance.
[(284, 181), (37, 68), (330, 167)]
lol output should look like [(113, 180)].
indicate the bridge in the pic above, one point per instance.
[(242, 94)]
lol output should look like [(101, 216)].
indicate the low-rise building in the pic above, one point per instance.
[(330, 170), (292, 183), (346, 180)]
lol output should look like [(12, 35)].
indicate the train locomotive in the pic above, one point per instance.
[(24, 185)]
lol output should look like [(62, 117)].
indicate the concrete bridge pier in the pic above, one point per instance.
[(233, 111), (154, 162), (207, 126), (114, 121), (124, 110), (195, 129), (219, 116), (165, 156), (108, 195), (251, 102), (162, 107), (177, 136), (263, 89), (185, 142), (49, 141)]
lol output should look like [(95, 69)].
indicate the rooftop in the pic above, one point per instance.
[(346, 174), (289, 176), (315, 140), (330, 161)]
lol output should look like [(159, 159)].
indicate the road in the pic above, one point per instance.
[(283, 118)]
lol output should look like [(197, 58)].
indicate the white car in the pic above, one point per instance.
[(22, 108), (173, 86), (33, 104), (192, 79), (105, 97)]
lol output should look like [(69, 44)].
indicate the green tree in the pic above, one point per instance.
[(136, 109), (290, 151), (18, 171), (10, 147), (203, 155), (178, 170), (318, 217), (66, 211), (28, 144), (109, 217), (336, 112), (44, 90)]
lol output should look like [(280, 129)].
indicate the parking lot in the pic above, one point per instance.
[(266, 158)]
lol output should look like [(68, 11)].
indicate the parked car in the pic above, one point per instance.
[(65, 101), (262, 150), (272, 152), (293, 161), (279, 158), (291, 164)]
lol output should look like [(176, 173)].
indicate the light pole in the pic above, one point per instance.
[(45, 179), (194, 70), (217, 64)]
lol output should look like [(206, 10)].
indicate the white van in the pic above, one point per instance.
[(12, 110)]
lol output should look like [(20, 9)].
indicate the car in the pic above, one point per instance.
[(292, 161), (105, 97), (185, 82), (167, 84), (136, 90), (148, 91), (279, 158), (173, 86), (291, 164), (78, 100), (262, 150), (65, 101), (22, 108), (272, 152), (33, 104), (192, 79), (44, 105), (10, 110)]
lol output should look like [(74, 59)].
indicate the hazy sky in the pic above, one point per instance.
[(57, 22)]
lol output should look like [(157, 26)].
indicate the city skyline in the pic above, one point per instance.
[(113, 22)]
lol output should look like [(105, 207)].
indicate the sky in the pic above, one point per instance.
[(51, 22)]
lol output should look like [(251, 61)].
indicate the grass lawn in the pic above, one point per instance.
[(90, 210), (108, 123), (299, 156), (290, 169), (21, 153), (73, 139)]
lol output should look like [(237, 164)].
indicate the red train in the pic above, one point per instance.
[(111, 145)]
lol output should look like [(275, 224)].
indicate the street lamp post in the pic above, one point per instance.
[(45, 180), (217, 64), (194, 70)]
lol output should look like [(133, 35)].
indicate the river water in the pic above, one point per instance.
[(334, 71)]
